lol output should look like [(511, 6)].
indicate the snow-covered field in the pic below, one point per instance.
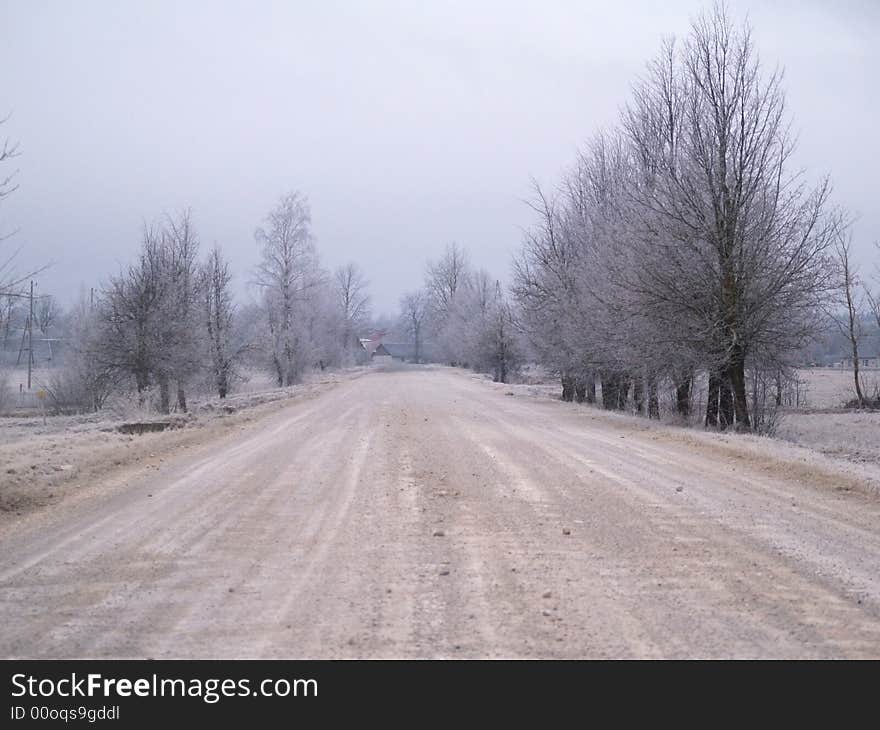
[(15, 398), (824, 425), (854, 436), (821, 424), (41, 458), (832, 387)]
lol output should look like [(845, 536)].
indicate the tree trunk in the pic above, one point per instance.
[(164, 394), (683, 398), (852, 325), (737, 378), (279, 371), (725, 403), (580, 390), (859, 394), (181, 398), (653, 400), (639, 396), (567, 388), (610, 391), (591, 389), (142, 381), (622, 392), (855, 357), (712, 400)]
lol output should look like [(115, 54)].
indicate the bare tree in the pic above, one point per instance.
[(445, 278), (550, 290), (728, 240), (874, 297), (8, 151), (219, 314), (10, 280), (129, 341), (681, 242), (851, 327), (182, 333), (498, 341), (149, 322), (463, 333), (8, 311), (46, 314), (354, 305), (83, 383), (287, 273), (414, 313), (447, 281)]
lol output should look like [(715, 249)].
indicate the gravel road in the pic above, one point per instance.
[(421, 513)]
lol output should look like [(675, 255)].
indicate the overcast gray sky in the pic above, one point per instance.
[(407, 124)]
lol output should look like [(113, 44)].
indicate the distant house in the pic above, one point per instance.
[(361, 355), (381, 356), (400, 352), (395, 351), (387, 352), (373, 341), (870, 362)]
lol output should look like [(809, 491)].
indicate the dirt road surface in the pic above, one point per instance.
[(421, 513)]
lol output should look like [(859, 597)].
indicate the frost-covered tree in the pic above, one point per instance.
[(445, 278), (447, 281), (682, 241), (414, 309), (466, 326), (183, 336), (323, 345), (225, 348), (46, 313), (353, 301), (129, 342), (8, 151), (728, 234), (83, 382), (9, 307), (850, 297), (11, 280), (149, 321), (549, 288), (872, 296), (287, 274), (498, 348)]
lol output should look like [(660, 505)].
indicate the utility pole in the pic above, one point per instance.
[(31, 335), (28, 334)]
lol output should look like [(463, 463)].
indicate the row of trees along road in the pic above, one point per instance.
[(168, 321), (465, 314), (681, 241)]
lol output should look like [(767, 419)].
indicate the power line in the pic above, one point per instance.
[(24, 296), (28, 333)]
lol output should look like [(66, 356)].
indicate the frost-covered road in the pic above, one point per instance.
[(421, 513)]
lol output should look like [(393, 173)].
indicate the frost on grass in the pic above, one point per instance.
[(852, 436), (43, 461)]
